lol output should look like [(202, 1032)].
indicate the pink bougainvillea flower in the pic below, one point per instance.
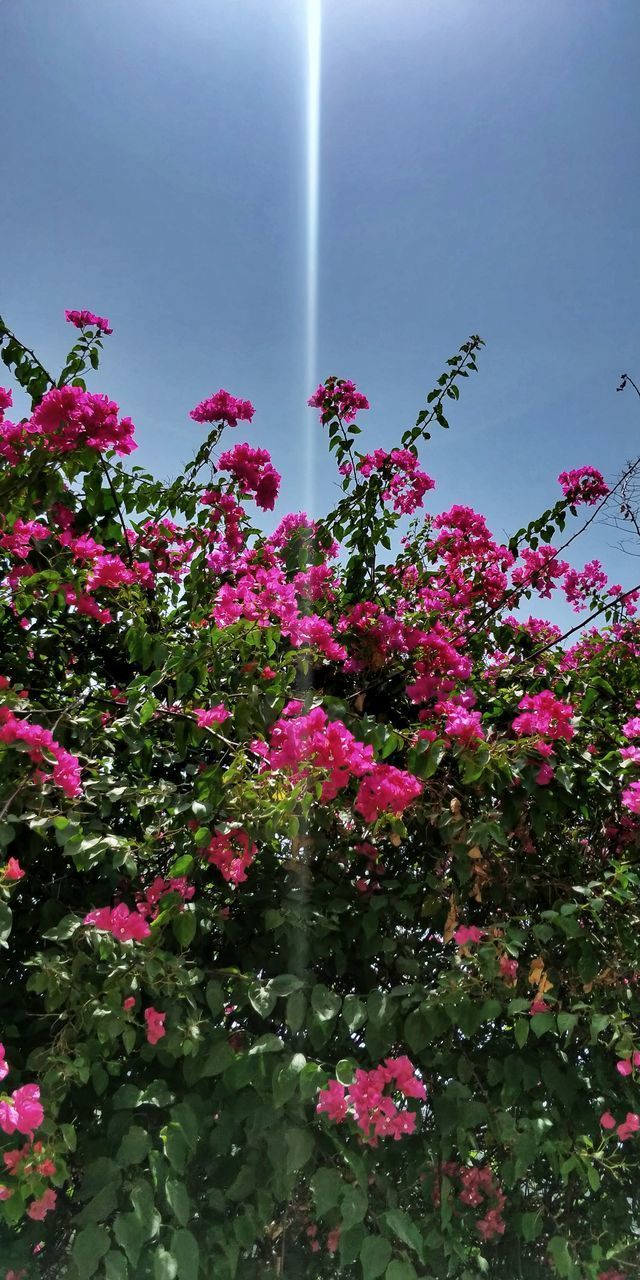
[(13, 870), (129, 1003), (624, 1066), (86, 320), (583, 485), (206, 717), (155, 1025), (4, 1065), (39, 1208), (223, 407), (22, 1110), (607, 1121), (125, 925), (466, 933), (339, 394)]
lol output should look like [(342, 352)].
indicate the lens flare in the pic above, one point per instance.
[(314, 64)]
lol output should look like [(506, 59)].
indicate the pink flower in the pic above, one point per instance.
[(232, 853), (539, 1006), (624, 1066), (631, 797), (223, 407), (155, 1025), (339, 395), (206, 718), (544, 715), (86, 319), (69, 418), (125, 925), (629, 1126), (386, 790), (607, 1121), (5, 1193), (253, 472), (583, 485), (333, 1100), (465, 934), (13, 870), (4, 1066), (39, 1209), (632, 728), (129, 1003), (333, 1240), (22, 1111)]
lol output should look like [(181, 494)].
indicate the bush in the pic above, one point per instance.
[(320, 888)]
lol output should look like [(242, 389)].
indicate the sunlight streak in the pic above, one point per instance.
[(314, 56)]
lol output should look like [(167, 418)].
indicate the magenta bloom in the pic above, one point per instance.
[(253, 472), (631, 797), (4, 1066), (607, 1121), (386, 790), (206, 717), (39, 1209), (87, 320), (223, 407), (340, 395), (583, 485), (155, 1025), (466, 933), (124, 925)]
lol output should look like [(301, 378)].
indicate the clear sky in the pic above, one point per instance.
[(479, 172)]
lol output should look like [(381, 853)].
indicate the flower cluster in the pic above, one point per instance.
[(544, 715), (405, 483), (232, 852), (223, 407), (386, 789), (69, 418), (120, 922), (253, 472), (87, 320), (301, 743), (375, 1112), (340, 397), (40, 742), (476, 1186), (583, 485)]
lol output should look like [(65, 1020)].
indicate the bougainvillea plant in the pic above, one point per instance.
[(319, 890)]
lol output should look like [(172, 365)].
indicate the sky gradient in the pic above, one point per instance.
[(478, 173)]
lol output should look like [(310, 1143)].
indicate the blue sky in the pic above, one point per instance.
[(479, 172)]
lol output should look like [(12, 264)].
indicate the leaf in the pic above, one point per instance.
[(354, 1205), (353, 1012), (374, 1256), (134, 1146), (521, 1032), (262, 998), (89, 1246), (115, 1266), (184, 927), (165, 1266), (404, 1228), (178, 1200), (400, 1271), (186, 1252), (325, 1003), (299, 1148), (327, 1186)]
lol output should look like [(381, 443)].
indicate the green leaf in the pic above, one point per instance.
[(165, 1266), (404, 1228), (184, 927), (262, 998), (115, 1266), (521, 1032), (89, 1246), (354, 1205), (178, 1200), (327, 1186), (354, 1012), (186, 1252), (325, 1003), (299, 1148), (400, 1271), (374, 1256), (134, 1146)]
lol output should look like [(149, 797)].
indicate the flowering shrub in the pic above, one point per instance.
[(318, 862)]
